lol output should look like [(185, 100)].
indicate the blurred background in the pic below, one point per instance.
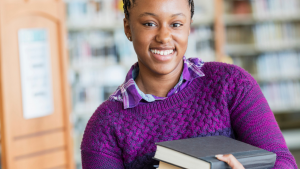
[(261, 36)]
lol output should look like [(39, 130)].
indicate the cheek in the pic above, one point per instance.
[(141, 36), (141, 41), (182, 41)]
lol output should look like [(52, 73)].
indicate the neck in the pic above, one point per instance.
[(158, 85)]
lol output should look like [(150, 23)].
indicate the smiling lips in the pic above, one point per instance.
[(162, 52), (163, 55)]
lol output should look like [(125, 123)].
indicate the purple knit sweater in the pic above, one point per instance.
[(227, 101)]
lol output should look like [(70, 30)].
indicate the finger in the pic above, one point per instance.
[(230, 160)]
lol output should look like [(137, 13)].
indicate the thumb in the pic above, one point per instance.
[(230, 160)]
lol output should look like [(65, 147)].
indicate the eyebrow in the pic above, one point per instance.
[(152, 14), (178, 14), (147, 13)]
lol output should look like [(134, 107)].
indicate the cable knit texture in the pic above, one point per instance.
[(226, 101)]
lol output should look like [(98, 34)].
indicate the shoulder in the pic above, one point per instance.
[(227, 72), (100, 126), (229, 82), (106, 111)]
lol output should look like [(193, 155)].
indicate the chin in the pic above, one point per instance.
[(164, 69)]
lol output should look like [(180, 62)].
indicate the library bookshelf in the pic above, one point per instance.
[(223, 29), (265, 35)]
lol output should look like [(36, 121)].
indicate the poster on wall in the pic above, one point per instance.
[(35, 66)]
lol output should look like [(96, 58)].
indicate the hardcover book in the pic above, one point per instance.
[(195, 153)]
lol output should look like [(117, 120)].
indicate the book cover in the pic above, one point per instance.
[(190, 153)]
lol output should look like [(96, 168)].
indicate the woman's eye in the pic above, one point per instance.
[(176, 25), (149, 24)]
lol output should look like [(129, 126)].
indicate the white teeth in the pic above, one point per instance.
[(161, 52)]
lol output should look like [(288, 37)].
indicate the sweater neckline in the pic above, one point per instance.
[(159, 106)]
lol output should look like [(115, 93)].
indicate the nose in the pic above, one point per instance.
[(164, 35)]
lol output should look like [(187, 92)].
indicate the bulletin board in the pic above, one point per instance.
[(34, 92)]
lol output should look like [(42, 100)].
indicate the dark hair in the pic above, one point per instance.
[(128, 3)]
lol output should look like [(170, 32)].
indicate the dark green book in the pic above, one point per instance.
[(195, 153)]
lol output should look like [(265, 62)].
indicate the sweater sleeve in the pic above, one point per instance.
[(254, 123), (98, 160), (99, 148)]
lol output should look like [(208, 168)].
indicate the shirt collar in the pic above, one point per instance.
[(192, 68), (131, 95)]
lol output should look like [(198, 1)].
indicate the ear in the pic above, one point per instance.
[(127, 30)]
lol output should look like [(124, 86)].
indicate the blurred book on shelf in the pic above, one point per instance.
[(262, 37), (99, 13), (282, 96), (237, 7), (276, 34), (274, 8), (241, 7), (203, 11), (279, 74), (262, 9), (201, 44), (284, 65)]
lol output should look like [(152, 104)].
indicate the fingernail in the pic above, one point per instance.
[(219, 155)]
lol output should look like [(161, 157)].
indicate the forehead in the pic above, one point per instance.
[(161, 6)]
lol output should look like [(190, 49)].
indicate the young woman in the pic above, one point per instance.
[(168, 97)]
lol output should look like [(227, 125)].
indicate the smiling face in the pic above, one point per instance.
[(159, 30)]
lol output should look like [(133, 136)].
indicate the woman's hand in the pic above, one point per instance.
[(231, 161)]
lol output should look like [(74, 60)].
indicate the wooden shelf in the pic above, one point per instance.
[(249, 19), (240, 49), (275, 79), (92, 26), (292, 138), (239, 19), (252, 49), (202, 22), (286, 109)]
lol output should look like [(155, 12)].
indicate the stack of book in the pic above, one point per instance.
[(195, 153)]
